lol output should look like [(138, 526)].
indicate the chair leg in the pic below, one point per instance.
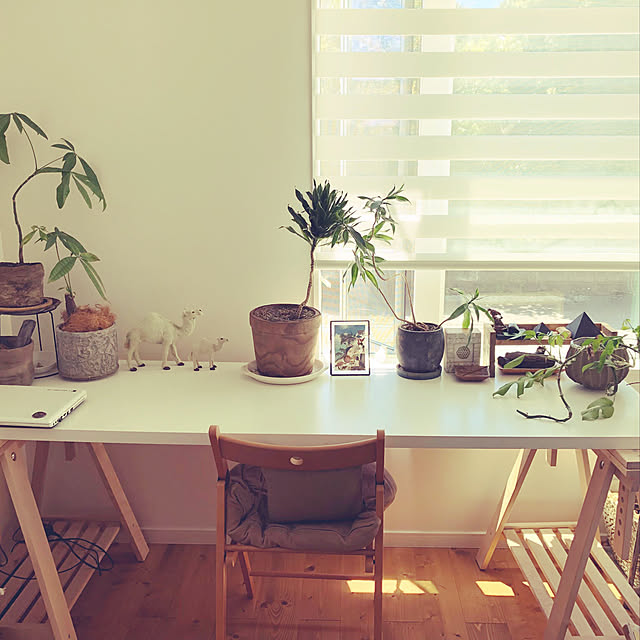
[(221, 566), (245, 567), (378, 569)]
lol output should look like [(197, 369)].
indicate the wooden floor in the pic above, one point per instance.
[(432, 594)]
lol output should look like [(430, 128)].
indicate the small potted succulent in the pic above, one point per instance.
[(419, 345), (22, 283), (285, 335), (86, 340)]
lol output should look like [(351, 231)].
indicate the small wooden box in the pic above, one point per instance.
[(493, 339)]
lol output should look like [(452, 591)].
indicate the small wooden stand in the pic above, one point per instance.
[(52, 596)]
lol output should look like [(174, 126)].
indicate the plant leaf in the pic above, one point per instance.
[(75, 246), (514, 363), (4, 153), (28, 237), (30, 123), (95, 278), (89, 257), (83, 192), (93, 178), (62, 268)]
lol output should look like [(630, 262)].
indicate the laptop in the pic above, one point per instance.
[(44, 407)]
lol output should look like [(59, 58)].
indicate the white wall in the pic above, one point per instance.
[(196, 116)]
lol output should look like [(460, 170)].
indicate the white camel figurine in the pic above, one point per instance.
[(157, 329), (209, 349)]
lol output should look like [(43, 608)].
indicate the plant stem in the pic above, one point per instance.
[(312, 264)]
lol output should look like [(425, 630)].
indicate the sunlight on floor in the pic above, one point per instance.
[(495, 588), (408, 587), (546, 586)]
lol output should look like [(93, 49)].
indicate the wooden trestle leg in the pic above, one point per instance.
[(501, 516), (14, 465), (119, 499)]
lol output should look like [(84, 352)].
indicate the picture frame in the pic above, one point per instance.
[(350, 349)]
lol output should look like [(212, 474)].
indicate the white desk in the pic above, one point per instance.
[(152, 406)]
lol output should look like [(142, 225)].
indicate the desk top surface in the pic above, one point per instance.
[(152, 406)]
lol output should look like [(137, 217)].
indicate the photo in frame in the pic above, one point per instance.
[(349, 348)]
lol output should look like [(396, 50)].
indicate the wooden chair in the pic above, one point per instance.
[(319, 458)]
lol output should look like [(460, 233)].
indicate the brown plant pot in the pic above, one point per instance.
[(16, 365), (592, 378), (21, 284), (284, 348), (87, 355)]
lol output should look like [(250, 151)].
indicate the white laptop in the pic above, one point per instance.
[(44, 407)]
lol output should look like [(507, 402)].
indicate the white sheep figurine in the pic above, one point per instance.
[(208, 349), (157, 329)]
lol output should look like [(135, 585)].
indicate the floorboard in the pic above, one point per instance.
[(429, 593)]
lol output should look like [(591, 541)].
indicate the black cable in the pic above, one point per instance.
[(90, 559)]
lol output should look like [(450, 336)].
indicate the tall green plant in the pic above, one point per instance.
[(326, 219), (69, 165)]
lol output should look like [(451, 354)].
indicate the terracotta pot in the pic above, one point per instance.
[(21, 285), (592, 378), (16, 365), (284, 348), (87, 355), (419, 352)]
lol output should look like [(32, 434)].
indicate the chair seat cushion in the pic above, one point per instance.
[(248, 521)]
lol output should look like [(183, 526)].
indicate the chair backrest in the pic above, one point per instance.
[(315, 458)]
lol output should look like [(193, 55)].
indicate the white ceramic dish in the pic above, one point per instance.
[(251, 370), (44, 363)]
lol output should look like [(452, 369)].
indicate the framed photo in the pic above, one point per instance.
[(349, 347)]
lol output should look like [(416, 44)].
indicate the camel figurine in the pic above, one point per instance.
[(157, 329), (209, 349)]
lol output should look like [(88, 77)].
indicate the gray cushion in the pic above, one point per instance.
[(248, 521), (313, 496)]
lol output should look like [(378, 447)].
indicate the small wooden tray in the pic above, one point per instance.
[(471, 372)]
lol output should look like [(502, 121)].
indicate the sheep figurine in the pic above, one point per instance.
[(157, 329), (208, 349)]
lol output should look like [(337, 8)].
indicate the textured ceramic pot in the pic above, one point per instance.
[(592, 378), (16, 365), (87, 355), (419, 352), (21, 284), (285, 348)]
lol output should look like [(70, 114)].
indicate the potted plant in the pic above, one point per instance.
[(419, 345), (22, 283), (285, 335), (86, 340), (598, 363)]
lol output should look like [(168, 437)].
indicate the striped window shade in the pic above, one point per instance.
[(513, 125)]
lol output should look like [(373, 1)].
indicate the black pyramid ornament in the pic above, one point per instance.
[(542, 328), (583, 327)]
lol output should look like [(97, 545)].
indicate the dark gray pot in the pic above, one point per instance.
[(419, 353)]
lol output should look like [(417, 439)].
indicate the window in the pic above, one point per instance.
[(513, 125)]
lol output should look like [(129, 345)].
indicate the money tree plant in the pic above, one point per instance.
[(73, 169)]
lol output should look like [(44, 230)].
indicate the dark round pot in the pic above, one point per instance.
[(21, 284), (419, 352), (284, 347), (592, 378)]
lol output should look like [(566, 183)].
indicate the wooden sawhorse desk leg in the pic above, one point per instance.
[(580, 549), (119, 499), (14, 465), (501, 516)]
